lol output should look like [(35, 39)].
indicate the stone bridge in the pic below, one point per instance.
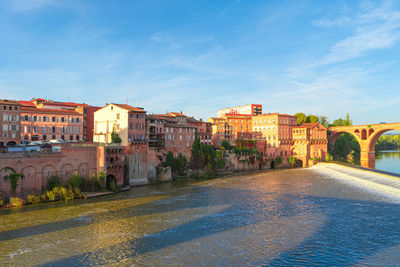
[(366, 135)]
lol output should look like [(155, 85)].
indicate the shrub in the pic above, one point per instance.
[(1, 199), (53, 181), (16, 202), (102, 181), (33, 199), (74, 181), (50, 195), (112, 186), (44, 197)]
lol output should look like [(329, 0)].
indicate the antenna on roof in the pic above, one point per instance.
[(127, 102)]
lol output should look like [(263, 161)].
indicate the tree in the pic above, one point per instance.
[(115, 138), (324, 121), (292, 160), (14, 177), (312, 118), (301, 118), (278, 160), (226, 144)]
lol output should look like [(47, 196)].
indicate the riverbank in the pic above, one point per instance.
[(377, 181)]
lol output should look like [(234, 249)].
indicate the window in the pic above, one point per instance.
[(118, 116), (53, 119), (5, 117), (44, 118), (44, 129), (77, 130), (131, 125), (34, 118), (35, 130), (5, 127), (53, 129)]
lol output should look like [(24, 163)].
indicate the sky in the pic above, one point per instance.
[(321, 57)]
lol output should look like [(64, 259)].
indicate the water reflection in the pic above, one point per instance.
[(291, 217), (388, 160)]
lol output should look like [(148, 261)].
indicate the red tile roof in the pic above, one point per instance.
[(27, 103), (9, 102), (49, 111), (130, 108)]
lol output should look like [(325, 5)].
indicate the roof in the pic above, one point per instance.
[(9, 102), (129, 108), (48, 110), (275, 113), (309, 125), (238, 115), (27, 103)]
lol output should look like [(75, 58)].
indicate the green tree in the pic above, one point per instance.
[(278, 160), (301, 118), (324, 121), (115, 138), (312, 118), (14, 178), (292, 160), (226, 144)]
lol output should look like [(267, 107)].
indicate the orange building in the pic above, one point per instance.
[(276, 130), (10, 114), (231, 127), (310, 141)]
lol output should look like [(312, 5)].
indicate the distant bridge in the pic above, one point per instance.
[(366, 135)]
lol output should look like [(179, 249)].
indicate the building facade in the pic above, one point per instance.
[(310, 142), (250, 109), (42, 121), (126, 121), (10, 122)]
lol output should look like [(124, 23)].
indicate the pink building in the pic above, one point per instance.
[(10, 114), (46, 121)]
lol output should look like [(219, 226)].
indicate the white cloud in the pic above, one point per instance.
[(373, 28)]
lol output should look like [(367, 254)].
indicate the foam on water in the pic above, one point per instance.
[(381, 184)]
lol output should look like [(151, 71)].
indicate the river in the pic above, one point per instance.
[(388, 160), (278, 217)]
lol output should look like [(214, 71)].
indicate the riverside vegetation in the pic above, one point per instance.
[(56, 190)]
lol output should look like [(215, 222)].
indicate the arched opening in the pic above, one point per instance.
[(344, 147), (273, 164), (11, 143), (110, 182), (383, 147), (363, 134)]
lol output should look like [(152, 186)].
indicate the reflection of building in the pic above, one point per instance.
[(126, 121), (44, 120), (310, 141), (10, 113), (250, 109)]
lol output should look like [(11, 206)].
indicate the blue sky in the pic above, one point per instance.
[(321, 57)]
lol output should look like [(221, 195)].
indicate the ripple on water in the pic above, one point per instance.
[(285, 217)]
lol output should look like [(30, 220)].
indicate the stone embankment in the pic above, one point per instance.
[(383, 183)]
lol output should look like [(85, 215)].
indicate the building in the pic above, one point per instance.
[(10, 122), (250, 109), (89, 122), (276, 130), (44, 120), (155, 130), (310, 141), (231, 127), (126, 121)]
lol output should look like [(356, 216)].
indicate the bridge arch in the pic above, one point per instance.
[(367, 136), (375, 136)]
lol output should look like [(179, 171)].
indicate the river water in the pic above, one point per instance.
[(388, 160), (278, 217)]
